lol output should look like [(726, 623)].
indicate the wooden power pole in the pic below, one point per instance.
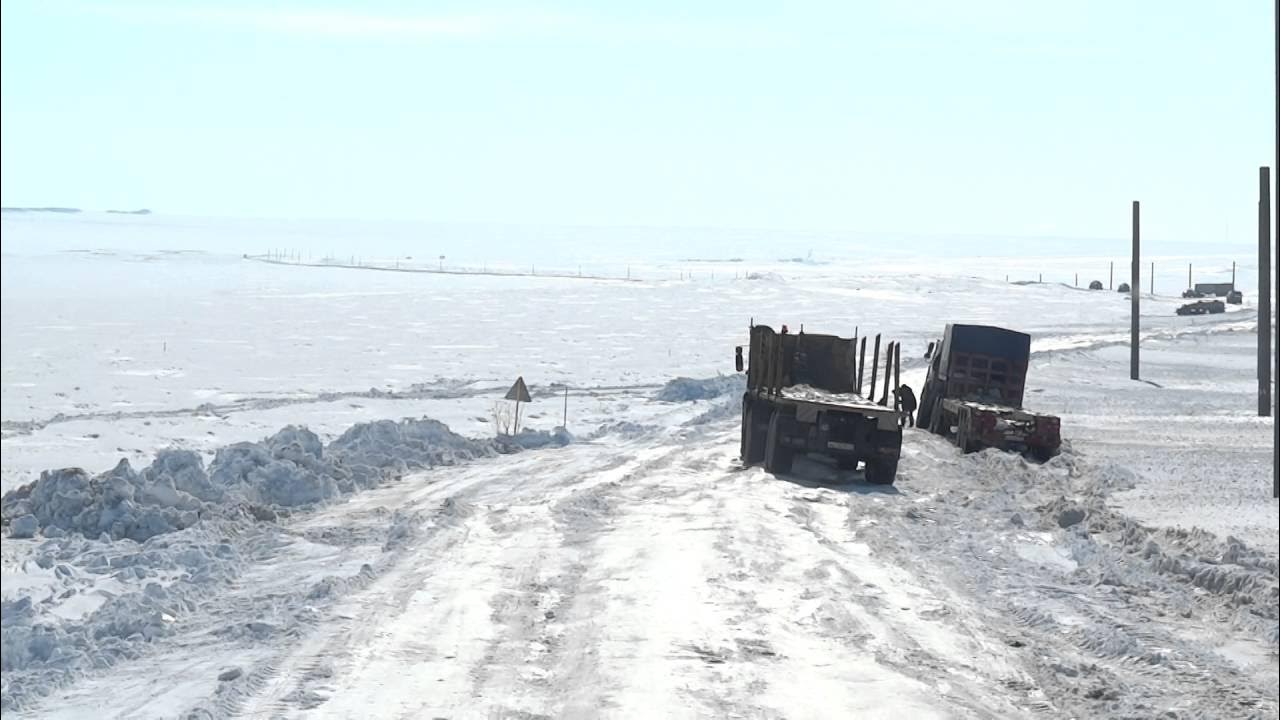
[(1264, 292), (1134, 292)]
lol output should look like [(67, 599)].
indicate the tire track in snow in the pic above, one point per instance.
[(424, 624)]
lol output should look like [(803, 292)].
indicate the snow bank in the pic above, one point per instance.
[(130, 555), (45, 642), (288, 470), (684, 389)]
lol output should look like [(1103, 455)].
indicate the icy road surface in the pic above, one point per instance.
[(653, 577)]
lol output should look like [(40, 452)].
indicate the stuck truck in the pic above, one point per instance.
[(804, 395), (973, 393)]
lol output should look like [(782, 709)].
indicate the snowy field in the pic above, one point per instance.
[(629, 567)]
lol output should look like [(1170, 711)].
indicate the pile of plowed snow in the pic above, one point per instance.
[(127, 556), (683, 389), (288, 470)]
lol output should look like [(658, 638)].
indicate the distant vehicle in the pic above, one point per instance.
[(1123, 288), (804, 395), (1235, 297), (1213, 289), (1203, 307), (1095, 285), (973, 393), (1192, 293)]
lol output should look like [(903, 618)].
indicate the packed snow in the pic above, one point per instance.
[(239, 489)]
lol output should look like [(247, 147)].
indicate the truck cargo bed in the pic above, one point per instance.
[(818, 396)]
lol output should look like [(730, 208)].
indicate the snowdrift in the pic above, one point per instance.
[(683, 389), (259, 480)]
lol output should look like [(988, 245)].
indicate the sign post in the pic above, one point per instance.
[(520, 393)]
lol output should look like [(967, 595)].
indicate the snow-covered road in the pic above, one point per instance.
[(653, 576)]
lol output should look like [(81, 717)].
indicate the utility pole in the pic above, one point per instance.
[(1111, 283), (1188, 276), (1264, 292), (1153, 279), (1134, 284)]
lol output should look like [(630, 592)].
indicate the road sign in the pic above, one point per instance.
[(519, 392)]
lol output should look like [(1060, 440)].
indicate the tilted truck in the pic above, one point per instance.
[(973, 393), (804, 395)]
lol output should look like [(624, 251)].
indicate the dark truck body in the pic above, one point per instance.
[(973, 393), (803, 396)]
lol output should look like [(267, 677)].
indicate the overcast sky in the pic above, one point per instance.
[(926, 116)]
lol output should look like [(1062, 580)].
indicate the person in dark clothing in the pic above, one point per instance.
[(907, 401)]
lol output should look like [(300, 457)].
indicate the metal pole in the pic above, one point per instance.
[(565, 423), (897, 374), (1111, 284), (862, 363), (888, 363), (1264, 292), (1188, 276), (854, 375), (1233, 274), (1134, 285), (1153, 279), (875, 368)]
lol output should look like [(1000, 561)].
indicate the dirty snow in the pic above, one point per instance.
[(284, 497)]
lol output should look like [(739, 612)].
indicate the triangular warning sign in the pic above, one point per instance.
[(519, 392)]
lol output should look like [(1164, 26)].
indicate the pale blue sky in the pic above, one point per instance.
[(928, 116)]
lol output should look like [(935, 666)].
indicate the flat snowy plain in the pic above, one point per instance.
[(400, 570)]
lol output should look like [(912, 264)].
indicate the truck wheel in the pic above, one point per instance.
[(753, 435), (935, 418), (1043, 454), (882, 471), (777, 458)]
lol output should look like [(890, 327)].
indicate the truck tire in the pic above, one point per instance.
[(881, 471), (777, 457), (753, 434), (964, 434), (936, 421), (924, 413), (1043, 454)]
